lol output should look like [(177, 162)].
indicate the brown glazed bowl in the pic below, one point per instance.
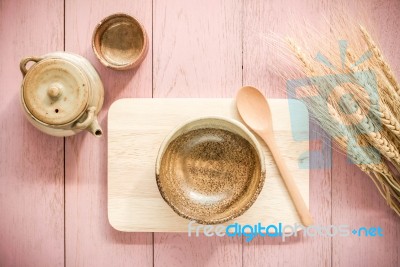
[(120, 42), (210, 170)]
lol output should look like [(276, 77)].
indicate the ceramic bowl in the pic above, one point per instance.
[(120, 42), (210, 170)]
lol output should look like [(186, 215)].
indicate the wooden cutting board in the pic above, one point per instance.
[(136, 128)]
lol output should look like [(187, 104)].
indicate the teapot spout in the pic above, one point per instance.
[(90, 123), (95, 128)]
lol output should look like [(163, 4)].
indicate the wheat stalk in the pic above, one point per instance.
[(388, 96), (391, 199), (379, 58), (366, 125), (385, 89), (388, 92), (382, 108)]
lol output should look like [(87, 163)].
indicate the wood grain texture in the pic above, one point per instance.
[(31, 162), (90, 240), (197, 53), (197, 48), (355, 199), (287, 18), (136, 130)]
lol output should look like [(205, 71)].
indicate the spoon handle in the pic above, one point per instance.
[(291, 186)]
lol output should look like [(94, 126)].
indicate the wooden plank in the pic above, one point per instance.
[(197, 53), (356, 202), (285, 18), (197, 48), (355, 199), (31, 162), (136, 130), (90, 239)]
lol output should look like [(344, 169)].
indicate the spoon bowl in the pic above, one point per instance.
[(253, 109)]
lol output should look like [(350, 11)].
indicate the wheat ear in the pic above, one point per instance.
[(385, 89), (380, 110)]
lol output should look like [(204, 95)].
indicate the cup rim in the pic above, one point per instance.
[(133, 64)]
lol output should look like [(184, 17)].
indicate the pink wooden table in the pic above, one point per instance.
[(53, 196)]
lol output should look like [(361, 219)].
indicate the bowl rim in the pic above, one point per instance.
[(133, 64), (248, 135)]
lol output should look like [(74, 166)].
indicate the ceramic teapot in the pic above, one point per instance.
[(62, 94)]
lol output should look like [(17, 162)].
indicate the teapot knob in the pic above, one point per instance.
[(54, 91)]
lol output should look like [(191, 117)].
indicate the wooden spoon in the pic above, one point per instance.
[(255, 111)]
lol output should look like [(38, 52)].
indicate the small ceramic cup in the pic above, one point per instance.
[(120, 42), (210, 176)]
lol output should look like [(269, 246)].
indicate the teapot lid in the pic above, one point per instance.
[(55, 91)]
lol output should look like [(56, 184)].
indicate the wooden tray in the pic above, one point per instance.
[(136, 128)]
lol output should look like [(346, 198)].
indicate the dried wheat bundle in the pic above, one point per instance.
[(375, 117), (364, 159)]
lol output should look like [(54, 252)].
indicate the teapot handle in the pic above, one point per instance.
[(88, 121), (25, 61)]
